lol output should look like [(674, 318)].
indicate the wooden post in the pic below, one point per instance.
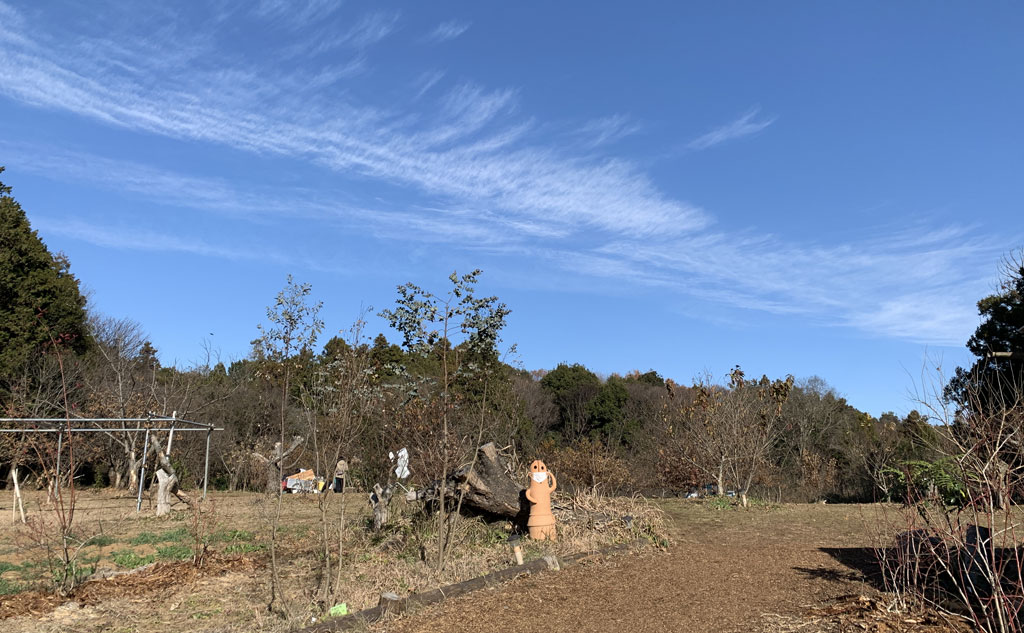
[(142, 472), (17, 498), (170, 436), (389, 604), (517, 549)]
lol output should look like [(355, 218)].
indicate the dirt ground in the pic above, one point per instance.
[(759, 569), (782, 569)]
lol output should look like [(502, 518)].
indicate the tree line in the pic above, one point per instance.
[(445, 386)]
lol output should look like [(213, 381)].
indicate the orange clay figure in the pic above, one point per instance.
[(542, 484)]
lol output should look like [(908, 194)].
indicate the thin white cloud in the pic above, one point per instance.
[(125, 237), (480, 175), (467, 156), (319, 39), (743, 126), (267, 204), (426, 81), (296, 14), (607, 130), (448, 31), (129, 238), (912, 283), (916, 284), (372, 28), (11, 17)]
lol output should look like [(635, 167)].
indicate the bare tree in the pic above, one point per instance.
[(430, 323), (732, 430), (336, 402), (285, 343)]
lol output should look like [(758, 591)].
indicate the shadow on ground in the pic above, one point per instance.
[(861, 564)]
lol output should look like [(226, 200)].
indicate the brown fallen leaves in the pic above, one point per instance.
[(857, 612), (153, 578)]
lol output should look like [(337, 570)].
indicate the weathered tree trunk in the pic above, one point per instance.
[(165, 483), (272, 463), (487, 487), (132, 467), (380, 500)]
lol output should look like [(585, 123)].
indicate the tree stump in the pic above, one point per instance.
[(165, 484), (389, 604), (486, 486)]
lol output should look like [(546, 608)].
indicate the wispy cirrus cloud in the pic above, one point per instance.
[(132, 238), (426, 81), (294, 14), (607, 130), (372, 28), (448, 31), (746, 125), (321, 39), (918, 283), (481, 174), (470, 155)]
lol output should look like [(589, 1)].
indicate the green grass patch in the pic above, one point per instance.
[(8, 587), (244, 548), (130, 559), (176, 535), (5, 566), (233, 536), (101, 540), (174, 552), (144, 538), (720, 502), (76, 569), (152, 538)]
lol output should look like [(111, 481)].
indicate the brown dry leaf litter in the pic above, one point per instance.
[(861, 613), (142, 583)]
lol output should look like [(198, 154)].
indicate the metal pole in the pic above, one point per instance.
[(206, 467), (170, 436), (56, 480), (142, 472)]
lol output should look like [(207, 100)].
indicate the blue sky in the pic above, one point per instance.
[(802, 188)]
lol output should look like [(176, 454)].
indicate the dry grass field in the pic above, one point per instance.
[(230, 591), (727, 569)]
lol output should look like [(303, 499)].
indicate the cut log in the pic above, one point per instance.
[(486, 486)]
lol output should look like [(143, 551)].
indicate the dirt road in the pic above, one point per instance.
[(728, 570)]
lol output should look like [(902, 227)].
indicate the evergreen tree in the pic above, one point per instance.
[(39, 297), (996, 380)]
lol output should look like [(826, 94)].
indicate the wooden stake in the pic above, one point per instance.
[(17, 498)]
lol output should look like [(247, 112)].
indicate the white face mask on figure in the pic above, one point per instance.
[(540, 477)]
